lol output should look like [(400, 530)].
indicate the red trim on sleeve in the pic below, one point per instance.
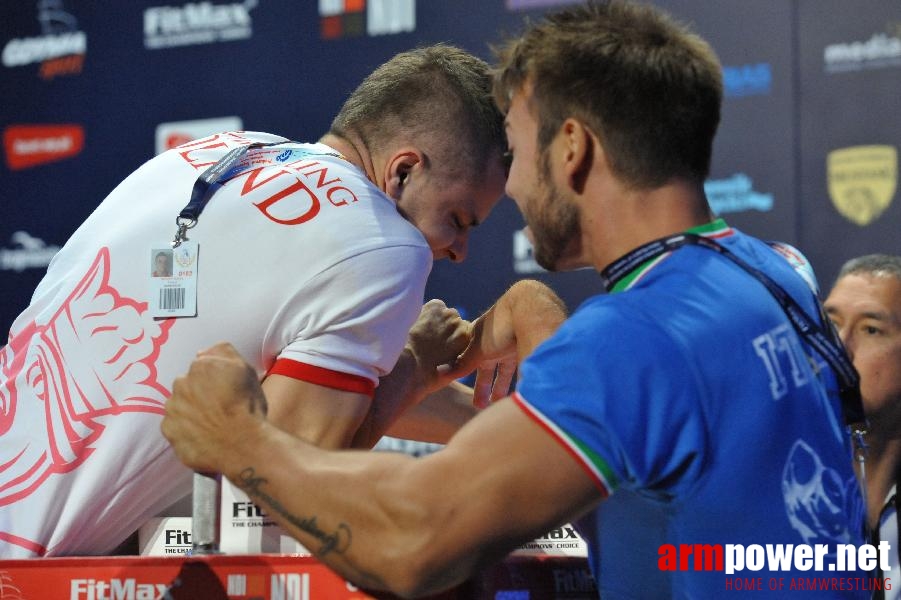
[(324, 377)]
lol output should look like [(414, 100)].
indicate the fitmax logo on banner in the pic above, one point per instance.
[(197, 23), (60, 49), (124, 589)]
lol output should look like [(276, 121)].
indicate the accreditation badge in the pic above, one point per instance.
[(173, 280)]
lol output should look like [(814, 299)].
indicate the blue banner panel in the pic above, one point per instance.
[(850, 98), (806, 153)]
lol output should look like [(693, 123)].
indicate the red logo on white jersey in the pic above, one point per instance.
[(93, 359)]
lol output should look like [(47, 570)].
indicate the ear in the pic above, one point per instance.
[(398, 169), (578, 152)]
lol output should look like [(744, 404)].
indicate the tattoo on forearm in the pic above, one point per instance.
[(337, 542)]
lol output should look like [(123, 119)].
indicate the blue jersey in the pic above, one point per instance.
[(690, 400)]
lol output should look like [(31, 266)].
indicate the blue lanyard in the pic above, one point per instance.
[(207, 185), (216, 176), (823, 339)]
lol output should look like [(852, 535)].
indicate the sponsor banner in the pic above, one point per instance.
[(28, 252), (736, 194), (524, 255), (880, 51), (562, 541), (411, 447), (32, 145), (246, 529), (176, 133), (165, 536), (354, 18), (59, 49), (196, 23), (128, 578), (747, 80), (267, 577), (862, 181)]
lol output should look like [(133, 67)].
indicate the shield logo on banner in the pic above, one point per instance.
[(862, 181)]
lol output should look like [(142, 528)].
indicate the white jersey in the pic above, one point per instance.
[(303, 265)]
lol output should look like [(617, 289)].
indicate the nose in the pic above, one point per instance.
[(844, 334), (457, 251)]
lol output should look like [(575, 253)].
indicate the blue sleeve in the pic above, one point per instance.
[(623, 397)]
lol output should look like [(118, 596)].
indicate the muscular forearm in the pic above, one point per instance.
[(383, 520), (382, 534)]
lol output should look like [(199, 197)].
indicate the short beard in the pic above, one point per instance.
[(557, 224)]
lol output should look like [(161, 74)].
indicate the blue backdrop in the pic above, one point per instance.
[(807, 151)]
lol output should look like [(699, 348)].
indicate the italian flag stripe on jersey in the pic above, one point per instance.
[(715, 229), (597, 468)]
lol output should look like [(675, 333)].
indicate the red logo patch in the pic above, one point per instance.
[(31, 145)]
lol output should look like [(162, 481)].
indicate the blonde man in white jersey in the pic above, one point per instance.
[(310, 258)]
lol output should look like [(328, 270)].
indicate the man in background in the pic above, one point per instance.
[(865, 306)]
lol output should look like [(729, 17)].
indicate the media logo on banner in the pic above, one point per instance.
[(882, 50), (197, 23), (32, 145), (736, 194), (60, 49), (862, 181), (30, 253), (176, 133), (747, 80), (355, 18)]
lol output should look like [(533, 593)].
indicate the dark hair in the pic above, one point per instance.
[(648, 87), (872, 264), (439, 94)]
